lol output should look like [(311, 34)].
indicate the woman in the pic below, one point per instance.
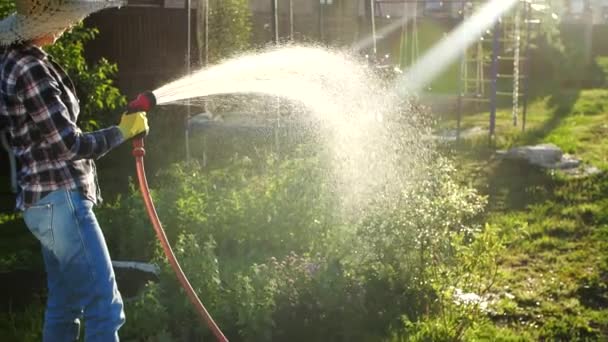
[(57, 178)]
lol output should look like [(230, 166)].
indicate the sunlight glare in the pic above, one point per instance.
[(449, 49)]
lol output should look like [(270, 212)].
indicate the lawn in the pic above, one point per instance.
[(552, 283)]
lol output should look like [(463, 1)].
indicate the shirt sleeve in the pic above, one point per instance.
[(41, 96)]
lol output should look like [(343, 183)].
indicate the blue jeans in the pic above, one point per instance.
[(81, 282)]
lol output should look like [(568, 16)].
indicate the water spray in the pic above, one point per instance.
[(346, 103), (145, 102)]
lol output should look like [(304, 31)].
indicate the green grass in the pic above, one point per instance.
[(576, 121), (24, 325), (19, 250), (553, 280)]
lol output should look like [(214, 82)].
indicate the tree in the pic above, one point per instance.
[(229, 28)]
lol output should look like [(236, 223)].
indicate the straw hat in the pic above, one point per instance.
[(37, 18)]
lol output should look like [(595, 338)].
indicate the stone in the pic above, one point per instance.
[(549, 156), (567, 162), (544, 155), (583, 171)]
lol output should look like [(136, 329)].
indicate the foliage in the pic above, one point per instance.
[(461, 287), (134, 243), (485, 330), (99, 98), (23, 326), (229, 28), (602, 64), (6, 7), (18, 247), (549, 30), (94, 84), (147, 315), (265, 246)]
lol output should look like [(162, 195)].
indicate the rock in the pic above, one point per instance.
[(591, 170), (583, 171), (567, 162), (551, 157), (545, 155)]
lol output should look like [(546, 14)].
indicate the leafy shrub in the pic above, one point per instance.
[(568, 328), (23, 326), (147, 316), (486, 331), (229, 28), (268, 248), (94, 83)]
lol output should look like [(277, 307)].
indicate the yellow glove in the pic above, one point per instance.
[(133, 124)]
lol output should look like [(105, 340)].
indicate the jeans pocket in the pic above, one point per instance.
[(39, 220)]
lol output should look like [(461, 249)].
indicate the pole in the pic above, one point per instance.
[(528, 17), (516, 63), (291, 20), (321, 20), (373, 19), (462, 84), (495, 47), (205, 64), (188, 65), (206, 9), (188, 35), (275, 21), (275, 30)]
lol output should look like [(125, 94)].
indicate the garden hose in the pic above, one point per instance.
[(145, 102)]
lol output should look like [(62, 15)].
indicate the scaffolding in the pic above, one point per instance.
[(495, 67)]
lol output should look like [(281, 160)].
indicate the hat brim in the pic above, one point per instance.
[(18, 28)]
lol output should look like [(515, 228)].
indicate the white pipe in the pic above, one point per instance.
[(135, 265)]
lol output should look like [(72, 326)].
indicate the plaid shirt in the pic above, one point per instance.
[(39, 108)]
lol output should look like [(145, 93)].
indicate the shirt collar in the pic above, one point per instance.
[(34, 50)]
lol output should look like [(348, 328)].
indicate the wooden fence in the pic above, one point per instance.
[(148, 44)]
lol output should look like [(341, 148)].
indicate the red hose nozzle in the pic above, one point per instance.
[(144, 102)]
